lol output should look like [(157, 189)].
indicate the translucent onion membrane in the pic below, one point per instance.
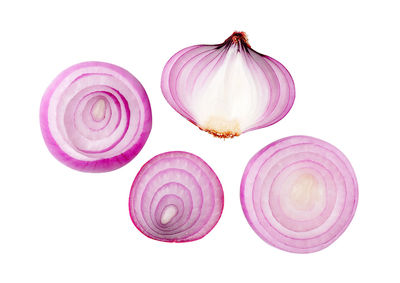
[(299, 194), (227, 89), (95, 117), (176, 197)]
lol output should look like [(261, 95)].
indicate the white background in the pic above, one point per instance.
[(60, 225)]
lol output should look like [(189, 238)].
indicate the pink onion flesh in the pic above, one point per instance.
[(95, 117), (227, 89), (176, 197), (299, 194)]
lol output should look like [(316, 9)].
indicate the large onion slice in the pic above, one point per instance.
[(176, 197), (299, 194), (227, 89), (95, 117)]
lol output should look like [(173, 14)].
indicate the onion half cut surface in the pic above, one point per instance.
[(95, 117), (227, 89), (176, 197), (299, 194)]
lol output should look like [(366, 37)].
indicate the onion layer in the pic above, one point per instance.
[(299, 194), (176, 197), (95, 117), (227, 89)]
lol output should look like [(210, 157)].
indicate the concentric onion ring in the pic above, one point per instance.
[(176, 197), (299, 194), (95, 117)]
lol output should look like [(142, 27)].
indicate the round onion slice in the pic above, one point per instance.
[(95, 117), (299, 194), (227, 89), (176, 197)]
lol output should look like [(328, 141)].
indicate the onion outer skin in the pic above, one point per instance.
[(97, 164), (138, 210), (186, 74), (268, 227)]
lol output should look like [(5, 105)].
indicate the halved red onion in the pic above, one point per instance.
[(299, 194), (176, 197), (227, 89), (95, 117)]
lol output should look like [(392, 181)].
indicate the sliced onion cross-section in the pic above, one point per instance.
[(299, 194), (176, 197), (227, 89), (95, 117)]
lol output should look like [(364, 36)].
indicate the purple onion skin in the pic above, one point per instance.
[(249, 209), (105, 164), (202, 230)]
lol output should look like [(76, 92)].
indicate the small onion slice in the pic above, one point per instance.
[(176, 197), (299, 194), (95, 117), (227, 89)]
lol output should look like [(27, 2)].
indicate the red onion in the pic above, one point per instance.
[(227, 89), (299, 194), (95, 117), (176, 197)]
